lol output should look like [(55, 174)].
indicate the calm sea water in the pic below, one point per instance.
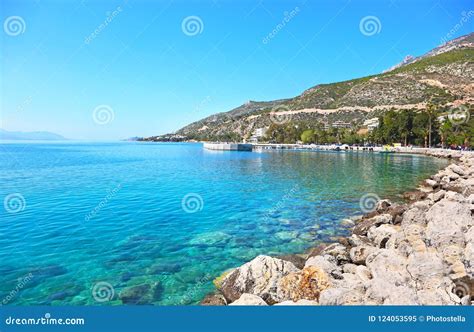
[(157, 222)]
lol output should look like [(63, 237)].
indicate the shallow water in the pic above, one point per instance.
[(114, 213)]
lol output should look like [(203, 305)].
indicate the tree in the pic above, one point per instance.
[(308, 136), (431, 110), (445, 130)]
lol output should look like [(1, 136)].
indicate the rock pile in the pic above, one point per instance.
[(419, 253)]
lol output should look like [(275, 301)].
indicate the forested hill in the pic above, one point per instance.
[(445, 75)]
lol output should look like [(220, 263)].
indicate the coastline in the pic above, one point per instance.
[(398, 254)]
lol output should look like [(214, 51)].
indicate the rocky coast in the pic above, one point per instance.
[(420, 252)]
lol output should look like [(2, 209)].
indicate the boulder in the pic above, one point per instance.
[(454, 196), (326, 263), (396, 211), (431, 183), (297, 260), (214, 299), (260, 277), (380, 291), (436, 196), (426, 268), (305, 284), (446, 222), (360, 253), (350, 268), (249, 299), (380, 235), (338, 251), (356, 240), (457, 169), (362, 227), (140, 294), (414, 195), (414, 216), (388, 265), (382, 205), (341, 296), (422, 205)]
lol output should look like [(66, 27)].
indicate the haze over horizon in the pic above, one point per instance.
[(116, 69)]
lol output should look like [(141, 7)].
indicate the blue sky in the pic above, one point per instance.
[(155, 76)]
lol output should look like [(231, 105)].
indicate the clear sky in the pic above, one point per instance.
[(61, 60)]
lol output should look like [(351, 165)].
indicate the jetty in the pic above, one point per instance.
[(228, 146)]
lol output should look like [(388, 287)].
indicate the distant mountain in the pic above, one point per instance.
[(30, 136), (446, 73), (463, 42)]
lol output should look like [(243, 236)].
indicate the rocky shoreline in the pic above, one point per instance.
[(417, 253)]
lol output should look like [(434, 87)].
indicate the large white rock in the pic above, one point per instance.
[(341, 296), (414, 216), (360, 253), (388, 265), (260, 277), (447, 220), (249, 299), (326, 263), (380, 235)]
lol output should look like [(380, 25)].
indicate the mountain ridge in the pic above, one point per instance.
[(30, 136), (445, 73)]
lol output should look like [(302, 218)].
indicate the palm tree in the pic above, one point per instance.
[(431, 110), (445, 130)]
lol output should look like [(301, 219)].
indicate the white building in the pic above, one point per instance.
[(257, 134), (371, 124)]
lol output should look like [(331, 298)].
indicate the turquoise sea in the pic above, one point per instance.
[(147, 223)]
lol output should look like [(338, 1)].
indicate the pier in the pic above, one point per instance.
[(228, 146)]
